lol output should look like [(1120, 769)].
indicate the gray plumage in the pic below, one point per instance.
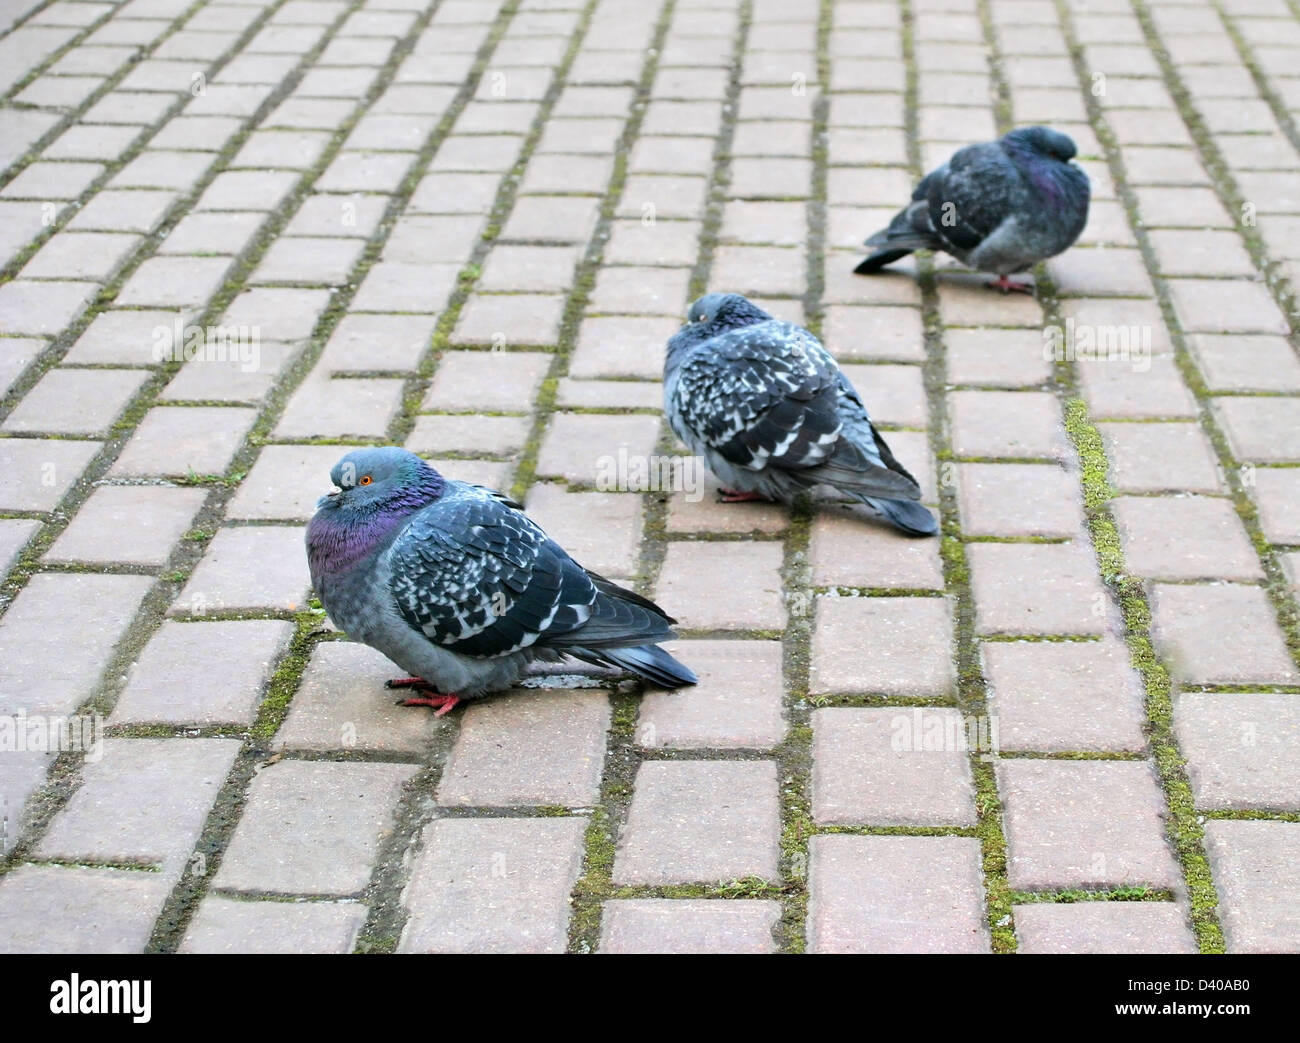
[(772, 413), (456, 585), (1001, 206)]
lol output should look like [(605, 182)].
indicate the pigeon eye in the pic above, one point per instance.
[(365, 480)]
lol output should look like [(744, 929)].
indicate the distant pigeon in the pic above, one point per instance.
[(1001, 207), (773, 415), (456, 585)]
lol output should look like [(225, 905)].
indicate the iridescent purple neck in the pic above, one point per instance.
[(340, 537)]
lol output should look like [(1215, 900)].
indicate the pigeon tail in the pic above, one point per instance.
[(878, 260), (651, 663), (908, 515)]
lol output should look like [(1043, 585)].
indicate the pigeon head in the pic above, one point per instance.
[(724, 311), (1045, 141), (388, 479)]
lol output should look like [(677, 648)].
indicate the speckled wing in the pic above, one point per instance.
[(478, 578), (759, 396), (970, 198)]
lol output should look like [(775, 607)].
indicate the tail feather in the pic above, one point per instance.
[(651, 663), (908, 515), (878, 260)]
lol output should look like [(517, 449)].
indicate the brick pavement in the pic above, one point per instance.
[(468, 226)]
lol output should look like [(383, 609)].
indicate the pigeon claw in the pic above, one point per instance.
[(732, 496), (1008, 285), (443, 703)]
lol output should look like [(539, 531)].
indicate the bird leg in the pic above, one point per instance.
[(1007, 285), (443, 704), (410, 682), (732, 496)]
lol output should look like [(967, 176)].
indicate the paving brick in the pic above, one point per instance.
[(57, 909), (277, 314), (1276, 491), (312, 262), (81, 255), (226, 925), (600, 530), (598, 450), (1266, 430), (1257, 873), (640, 291), (15, 533), (538, 748), (1184, 537), (1061, 696), (71, 401), (341, 703), (1036, 589), (249, 567), (22, 773), (187, 673), (493, 885), (1018, 500), (875, 333), (693, 573), (312, 827), (690, 925), (178, 441), (336, 407), (910, 639), (510, 320), (1154, 458), (1102, 927), (36, 473), (853, 547), (698, 508), (31, 306), (737, 702), (285, 483), (144, 800), (627, 346), (895, 894), (490, 381), (1084, 824), (1222, 633), (107, 530), (700, 822), (1228, 305), (608, 394), (1246, 363), (1006, 424), (891, 767), (1240, 749)]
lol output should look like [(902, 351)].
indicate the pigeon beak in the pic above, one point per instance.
[(327, 499)]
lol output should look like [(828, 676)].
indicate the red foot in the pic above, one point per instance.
[(731, 496), (443, 703), (1008, 285)]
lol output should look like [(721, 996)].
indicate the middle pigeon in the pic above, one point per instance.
[(773, 415)]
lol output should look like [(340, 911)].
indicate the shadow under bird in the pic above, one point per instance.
[(461, 589), (773, 415), (1001, 206)]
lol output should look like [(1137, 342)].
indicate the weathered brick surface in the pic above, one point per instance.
[(1255, 869), (1103, 927), (658, 925)]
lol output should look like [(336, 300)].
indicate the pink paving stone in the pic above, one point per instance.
[(1240, 748), (698, 506), (493, 885), (967, 301), (1233, 362), (129, 338), (22, 773), (910, 639), (226, 925), (1256, 869), (342, 704), (884, 333), (1103, 927), (1006, 424), (1100, 272), (81, 255), (700, 822), (107, 527), (341, 407), (894, 395), (626, 346), (312, 827), (896, 894), (1276, 492), (1136, 390), (177, 441), (1085, 824), (304, 261), (248, 567), (736, 704), (1227, 305), (602, 450), (1153, 458), (694, 572), (532, 748), (1059, 696), (466, 433), (514, 268), (123, 210), (36, 473), (1037, 589), (15, 534), (1266, 430), (891, 767), (144, 800), (490, 473), (669, 196), (286, 482), (486, 381), (445, 237), (187, 673), (567, 219), (1184, 538), (602, 531), (510, 320), (57, 909), (608, 394), (641, 291), (16, 354), (76, 401), (852, 546), (1220, 633), (278, 313), (688, 925), (377, 343), (354, 216), (395, 286), (1018, 500)]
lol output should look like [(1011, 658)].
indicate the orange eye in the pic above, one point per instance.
[(365, 480)]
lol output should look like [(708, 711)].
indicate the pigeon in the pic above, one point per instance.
[(1001, 206), (773, 415), (460, 588)]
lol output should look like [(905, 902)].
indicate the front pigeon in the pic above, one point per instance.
[(1001, 206), (773, 415), (458, 587)]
